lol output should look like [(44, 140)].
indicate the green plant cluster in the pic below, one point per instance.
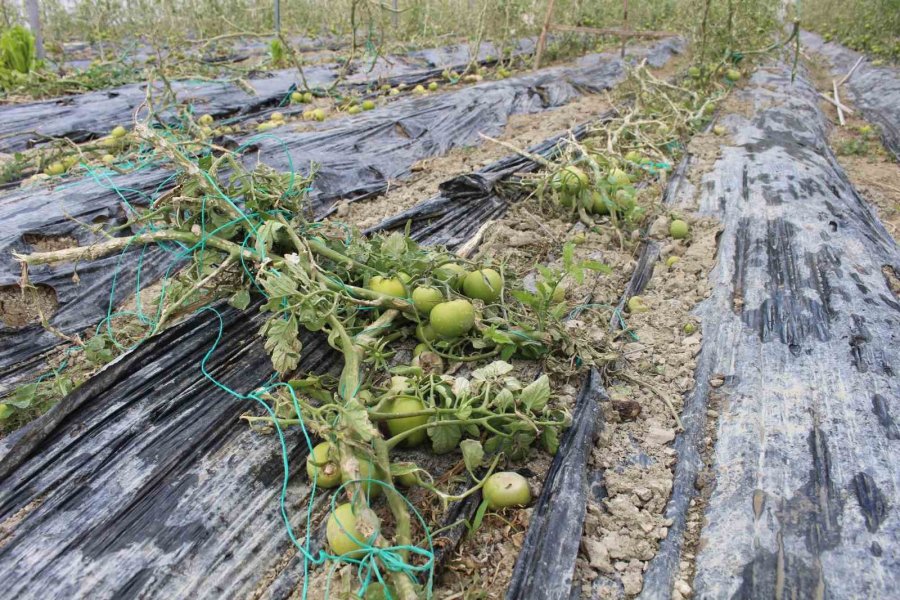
[(870, 26)]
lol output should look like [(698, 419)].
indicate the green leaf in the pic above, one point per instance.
[(394, 245), (493, 443), (497, 368), (279, 286), (568, 255), (241, 300), (473, 454), (479, 516), (444, 437), (63, 385), (24, 396), (536, 395), (96, 350), (507, 352), (265, 236), (550, 439), (504, 400), (545, 272), (595, 265), (282, 343), (527, 298)]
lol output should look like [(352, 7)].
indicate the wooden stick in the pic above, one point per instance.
[(847, 76), (624, 24), (543, 39), (846, 108), (614, 31), (837, 102)]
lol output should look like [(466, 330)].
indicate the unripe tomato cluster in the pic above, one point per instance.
[(613, 192)]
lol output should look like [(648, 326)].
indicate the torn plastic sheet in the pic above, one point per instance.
[(93, 114), (358, 157), (146, 470), (874, 90), (546, 562), (803, 329)]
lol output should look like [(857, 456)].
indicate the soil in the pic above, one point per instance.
[(634, 453), (522, 131), (48, 243), (18, 309)]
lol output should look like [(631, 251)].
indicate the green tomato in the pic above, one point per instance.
[(118, 132), (625, 199), (636, 305), (55, 168), (326, 473), (600, 207), (368, 105), (486, 284), (672, 260), (407, 479), (426, 298), (425, 332), (342, 535), (732, 75), (108, 159), (297, 97), (634, 156), (206, 119), (419, 349), (402, 405), (433, 86), (618, 177), (452, 319), (678, 229), (276, 116), (569, 179), (318, 114), (586, 198), (354, 110), (5, 411), (505, 489), (266, 126), (452, 274), (394, 92), (419, 89), (694, 72), (720, 130), (388, 286), (689, 328)]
